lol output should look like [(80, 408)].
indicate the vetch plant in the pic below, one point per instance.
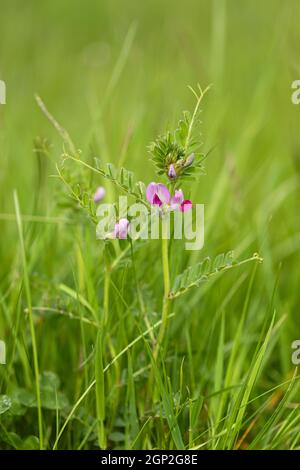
[(177, 158), (81, 308)]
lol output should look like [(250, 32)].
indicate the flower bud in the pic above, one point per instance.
[(99, 194), (171, 172), (189, 160)]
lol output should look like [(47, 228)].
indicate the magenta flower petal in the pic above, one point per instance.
[(156, 201), (151, 191), (186, 205), (178, 197), (123, 228), (163, 193), (99, 194)]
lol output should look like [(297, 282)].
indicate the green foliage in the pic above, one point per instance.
[(14, 441), (193, 276), (182, 147), (124, 180), (51, 397), (223, 378), (100, 392), (165, 151), (5, 403), (82, 198)]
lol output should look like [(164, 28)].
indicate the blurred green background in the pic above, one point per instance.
[(115, 75), (134, 61)]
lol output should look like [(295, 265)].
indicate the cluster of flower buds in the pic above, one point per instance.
[(176, 168)]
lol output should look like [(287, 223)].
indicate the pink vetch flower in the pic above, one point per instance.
[(159, 195), (99, 194), (121, 229)]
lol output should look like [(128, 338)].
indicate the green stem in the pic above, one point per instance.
[(106, 296), (106, 289), (30, 316), (101, 343)]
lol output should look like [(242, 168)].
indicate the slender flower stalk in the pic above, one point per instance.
[(159, 195)]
